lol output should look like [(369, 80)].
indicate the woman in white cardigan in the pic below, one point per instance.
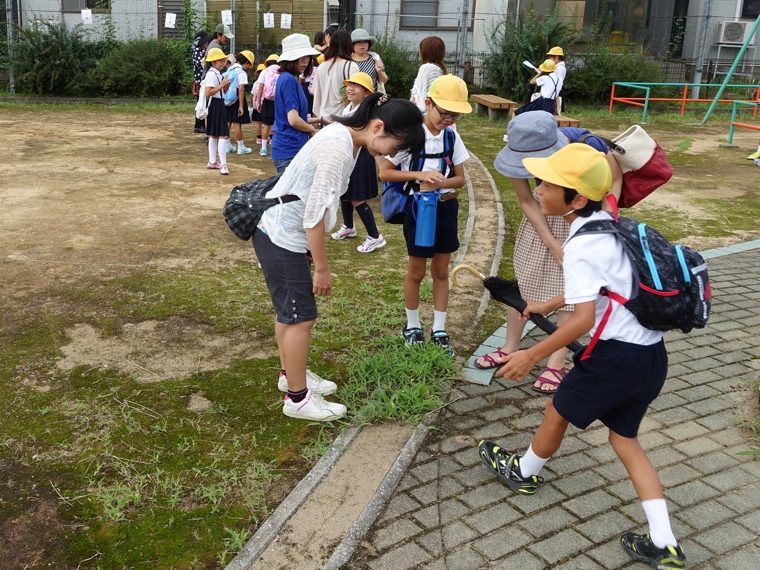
[(432, 52)]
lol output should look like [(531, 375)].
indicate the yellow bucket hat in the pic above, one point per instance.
[(260, 67), (548, 66), (249, 55), (362, 79), (577, 166), (450, 93), (215, 54), (556, 50), (273, 57), (320, 59)]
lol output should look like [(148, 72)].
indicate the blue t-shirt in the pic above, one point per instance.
[(574, 133), (287, 141)]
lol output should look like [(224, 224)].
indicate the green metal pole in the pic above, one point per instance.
[(731, 71), (731, 130), (646, 106)]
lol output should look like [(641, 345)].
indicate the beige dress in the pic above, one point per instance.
[(327, 85)]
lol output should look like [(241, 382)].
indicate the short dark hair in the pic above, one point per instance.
[(402, 120), (290, 67), (590, 207), (319, 38)]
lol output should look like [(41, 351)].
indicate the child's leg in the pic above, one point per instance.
[(293, 343), (222, 149), (515, 328), (439, 271), (258, 129), (212, 144), (647, 484), (546, 442), (347, 210), (556, 362), (239, 133), (367, 217), (414, 276), (265, 135)]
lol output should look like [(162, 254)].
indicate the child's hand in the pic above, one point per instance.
[(379, 66), (322, 282), (533, 308), (225, 82), (430, 180), (557, 252), (517, 366)]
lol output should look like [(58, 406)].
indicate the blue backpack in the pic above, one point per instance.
[(395, 194), (231, 95)]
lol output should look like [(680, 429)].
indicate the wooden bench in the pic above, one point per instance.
[(496, 107), (566, 121)]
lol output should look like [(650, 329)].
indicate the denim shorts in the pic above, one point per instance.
[(288, 278), (280, 164)]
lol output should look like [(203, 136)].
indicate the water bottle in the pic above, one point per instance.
[(425, 206)]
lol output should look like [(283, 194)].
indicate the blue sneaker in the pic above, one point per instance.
[(441, 338), (413, 336), (263, 152)]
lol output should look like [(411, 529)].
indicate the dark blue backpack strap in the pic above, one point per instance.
[(447, 160)]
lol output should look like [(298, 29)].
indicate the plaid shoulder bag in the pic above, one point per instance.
[(248, 202)]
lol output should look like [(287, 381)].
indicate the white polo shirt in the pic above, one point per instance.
[(593, 261), (550, 85)]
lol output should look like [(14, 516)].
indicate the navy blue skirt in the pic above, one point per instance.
[(363, 182), (232, 113), (540, 104), (216, 122)]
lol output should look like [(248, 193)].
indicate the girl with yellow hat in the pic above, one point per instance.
[(255, 114), (216, 123), (237, 112), (550, 85)]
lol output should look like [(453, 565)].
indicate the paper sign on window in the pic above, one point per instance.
[(227, 17), (87, 16), (171, 20), (285, 21), (269, 20)]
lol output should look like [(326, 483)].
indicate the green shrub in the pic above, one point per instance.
[(515, 41), (143, 68)]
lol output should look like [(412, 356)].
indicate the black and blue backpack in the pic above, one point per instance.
[(671, 287), (395, 194)]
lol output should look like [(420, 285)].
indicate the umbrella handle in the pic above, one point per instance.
[(469, 268)]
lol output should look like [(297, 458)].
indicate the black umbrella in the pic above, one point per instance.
[(507, 292)]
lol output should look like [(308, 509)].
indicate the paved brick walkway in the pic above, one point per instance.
[(449, 513)]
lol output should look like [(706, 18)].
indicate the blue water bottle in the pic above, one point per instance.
[(425, 206)]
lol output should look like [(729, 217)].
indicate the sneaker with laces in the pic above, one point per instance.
[(413, 336), (754, 156), (371, 244), (441, 338), (313, 407), (344, 233), (263, 152), (213, 166), (314, 383), (244, 150), (224, 170), (230, 146), (640, 547), (506, 467)]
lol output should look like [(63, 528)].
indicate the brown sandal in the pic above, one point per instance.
[(490, 360), (559, 375)]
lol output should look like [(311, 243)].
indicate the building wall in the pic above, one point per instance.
[(720, 10)]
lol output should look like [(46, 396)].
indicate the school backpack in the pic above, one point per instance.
[(671, 287), (270, 82), (393, 199), (231, 95), (201, 107)]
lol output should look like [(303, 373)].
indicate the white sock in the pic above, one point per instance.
[(212, 144), (241, 144), (223, 151), (531, 464), (413, 318), (264, 143), (659, 523), (439, 320)]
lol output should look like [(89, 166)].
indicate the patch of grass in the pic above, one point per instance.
[(684, 145)]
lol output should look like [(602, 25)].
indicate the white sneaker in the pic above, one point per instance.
[(344, 233), (244, 150), (230, 147), (313, 407), (371, 244), (314, 383)]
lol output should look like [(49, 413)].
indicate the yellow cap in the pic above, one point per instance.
[(320, 59), (249, 55), (577, 166), (548, 66), (273, 57), (362, 79), (450, 93), (556, 50), (215, 54), (260, 67)]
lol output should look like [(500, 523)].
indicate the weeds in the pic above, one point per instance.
[(684, 145)]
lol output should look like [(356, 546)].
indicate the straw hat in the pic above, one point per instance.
[(450, 92), (556, 50), (362, 79), (296, 46), (548, 66), (215, 54)]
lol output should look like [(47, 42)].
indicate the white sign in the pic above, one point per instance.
[(171, 20), (87, 16), (285, 21), (227, 17), (269, 20)]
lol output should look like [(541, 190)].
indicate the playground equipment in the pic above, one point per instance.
[(735, 124)]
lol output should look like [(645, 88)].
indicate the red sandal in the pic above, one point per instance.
[(559, 375), (490, 359)]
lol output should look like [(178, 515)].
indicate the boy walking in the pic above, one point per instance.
[(619, 378)]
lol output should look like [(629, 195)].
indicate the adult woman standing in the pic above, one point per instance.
[(331, 74), (368, 62), (318, 175), (432, 52), (199, 51), (291, 109)]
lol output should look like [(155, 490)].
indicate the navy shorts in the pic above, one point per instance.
[(615, 385), (446, 228), (288, 278)]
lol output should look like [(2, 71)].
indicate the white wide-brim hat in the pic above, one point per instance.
[(296, 46)]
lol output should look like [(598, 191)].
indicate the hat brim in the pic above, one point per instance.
[(229, 35), (371, 39), (451, 106), (542, 168), (509, 162), (295, 54), (371, 88)]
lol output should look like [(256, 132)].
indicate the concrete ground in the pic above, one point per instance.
[(449, 513)]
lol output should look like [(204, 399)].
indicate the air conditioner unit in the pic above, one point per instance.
[(732, 32)]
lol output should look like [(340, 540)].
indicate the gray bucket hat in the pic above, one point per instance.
[(533, 134), (361, 35)]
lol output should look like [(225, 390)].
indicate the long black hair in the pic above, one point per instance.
[(402, 120), (340, 47)]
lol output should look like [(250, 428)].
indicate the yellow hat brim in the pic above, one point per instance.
[(452, 106)]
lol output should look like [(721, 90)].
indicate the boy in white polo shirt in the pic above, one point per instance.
[(619, 378)]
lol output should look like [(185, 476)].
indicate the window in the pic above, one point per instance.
[(79, 5), (751, 9), (434, 14)]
